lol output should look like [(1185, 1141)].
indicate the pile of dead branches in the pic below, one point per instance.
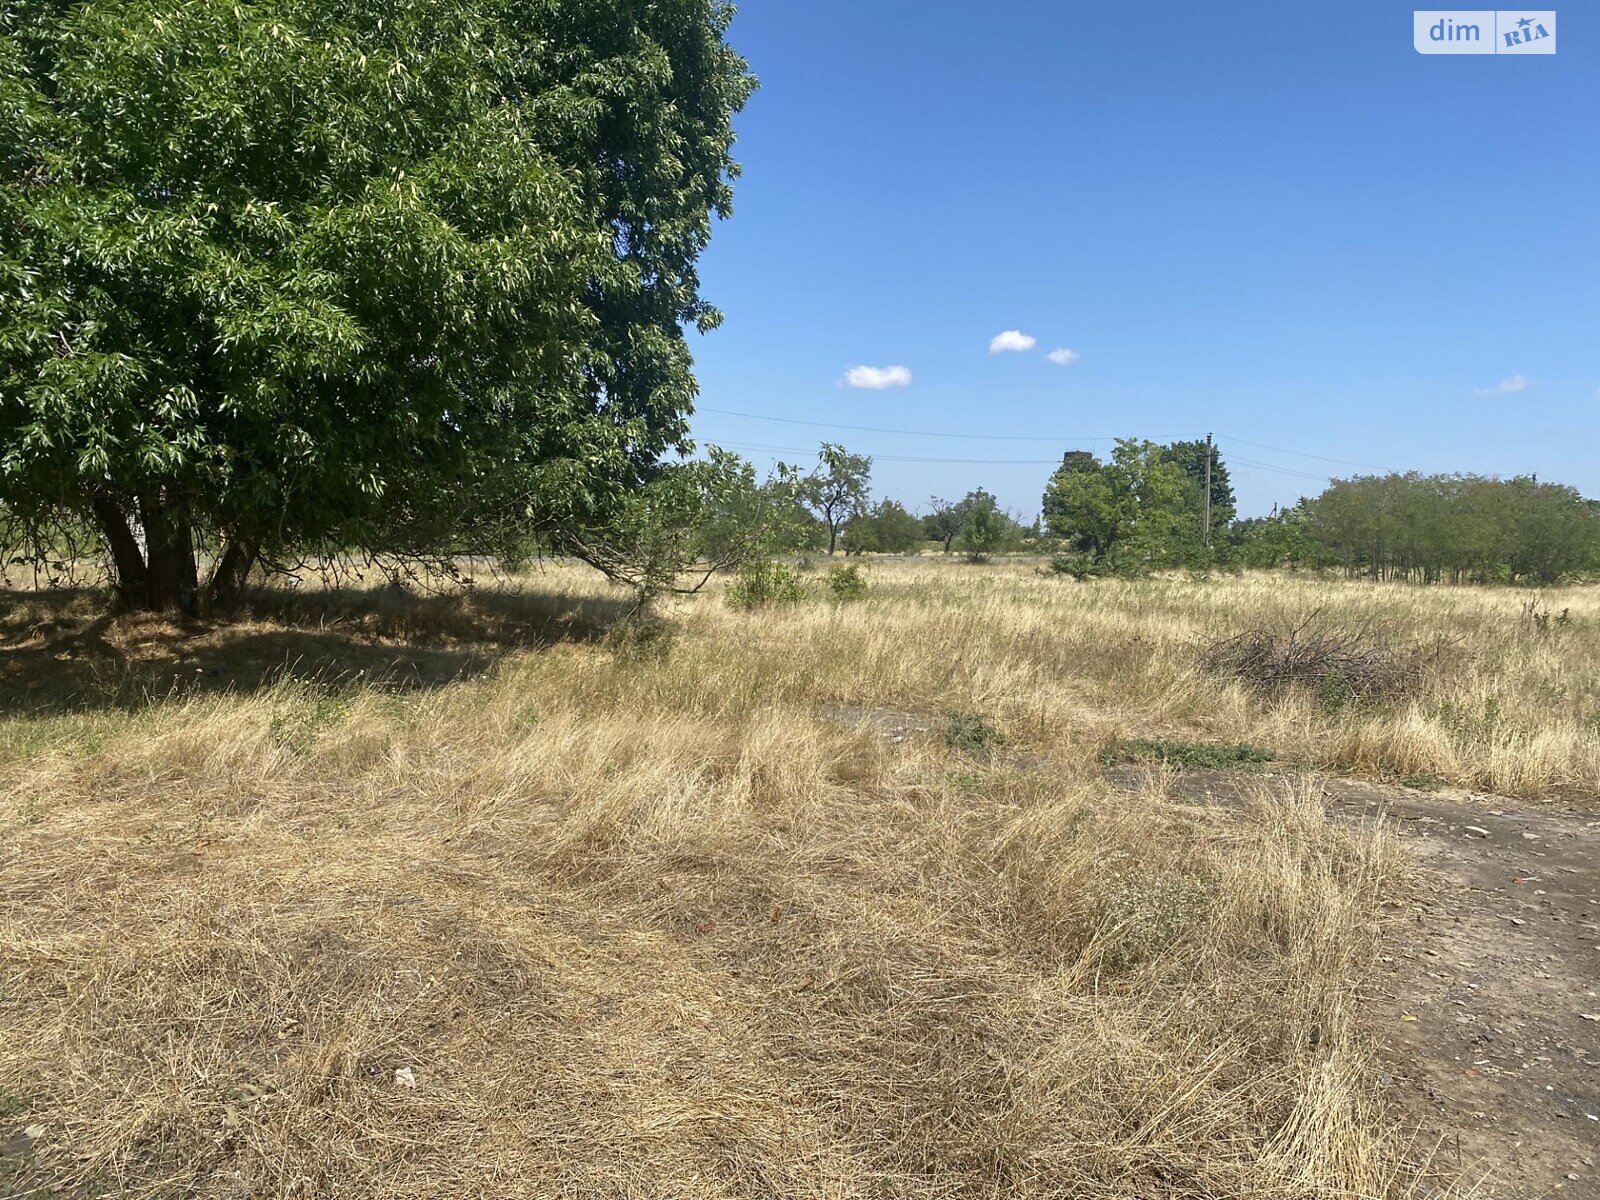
[(1339, 662)]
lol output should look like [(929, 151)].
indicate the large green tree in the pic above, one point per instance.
[(1143, 504), (1191, 457), (278, 274)]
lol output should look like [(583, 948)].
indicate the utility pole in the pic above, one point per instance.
[(1208, 492)]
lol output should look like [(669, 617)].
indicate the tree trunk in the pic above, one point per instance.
[(159, 576), (127, 560), (232, 569), (172, 580)]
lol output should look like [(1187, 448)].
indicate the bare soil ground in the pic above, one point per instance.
[(1492, 992)]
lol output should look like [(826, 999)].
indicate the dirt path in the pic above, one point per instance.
[(1493, 992), (1493, 999)]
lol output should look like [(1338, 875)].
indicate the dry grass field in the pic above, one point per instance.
[(460, 897)]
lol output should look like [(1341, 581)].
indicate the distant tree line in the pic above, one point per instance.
[(831, 510), (1434, 528), (1145, 509)]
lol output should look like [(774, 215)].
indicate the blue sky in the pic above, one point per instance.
[(1273, 222)]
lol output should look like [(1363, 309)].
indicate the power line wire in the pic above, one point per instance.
[(1261, 466), (988, 437), (1011, 437), (901, 458), (1022, 462), (1344, 462)]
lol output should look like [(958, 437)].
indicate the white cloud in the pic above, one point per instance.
[(1011, 339), (1505, 387), (1063, 357), (876, 378)]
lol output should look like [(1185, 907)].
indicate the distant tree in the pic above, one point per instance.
[(1276, 541), (1191, 457), (943, 521), (284, 275), (1554, 531), (886, 528), (1089, 505), (1140, 504), (987, 529), (836, 490)]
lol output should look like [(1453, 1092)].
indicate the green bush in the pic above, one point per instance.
[(846, 583), (968, 733), (1185, 754), (1082, 566), (1079, 566), (760, 584), (300, 723)]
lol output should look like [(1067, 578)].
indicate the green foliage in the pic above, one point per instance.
[(1280, 540), (943, 522), (11, 1103), (641, 636), (970, 734), (687, 522), (1084, 567), (299, 274), (299, 724), (1544, 622), (1078, 566), (1190, 457), (836, 490), (760, 584), (1468, 725), (1143, 507), (1455, 528), (1185, 754), (969, 782), (985, 529), (887, 528), (846, 583)]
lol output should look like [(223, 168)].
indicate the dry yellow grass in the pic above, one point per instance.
[(711, 924)]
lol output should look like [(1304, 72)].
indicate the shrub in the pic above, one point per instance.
[(846, 583), (1081, 566), (641, 637), (299, 724), (1147, 912), (968, 733), (760, 584), (1185, 754), (1545, 622), (1340, 666)]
